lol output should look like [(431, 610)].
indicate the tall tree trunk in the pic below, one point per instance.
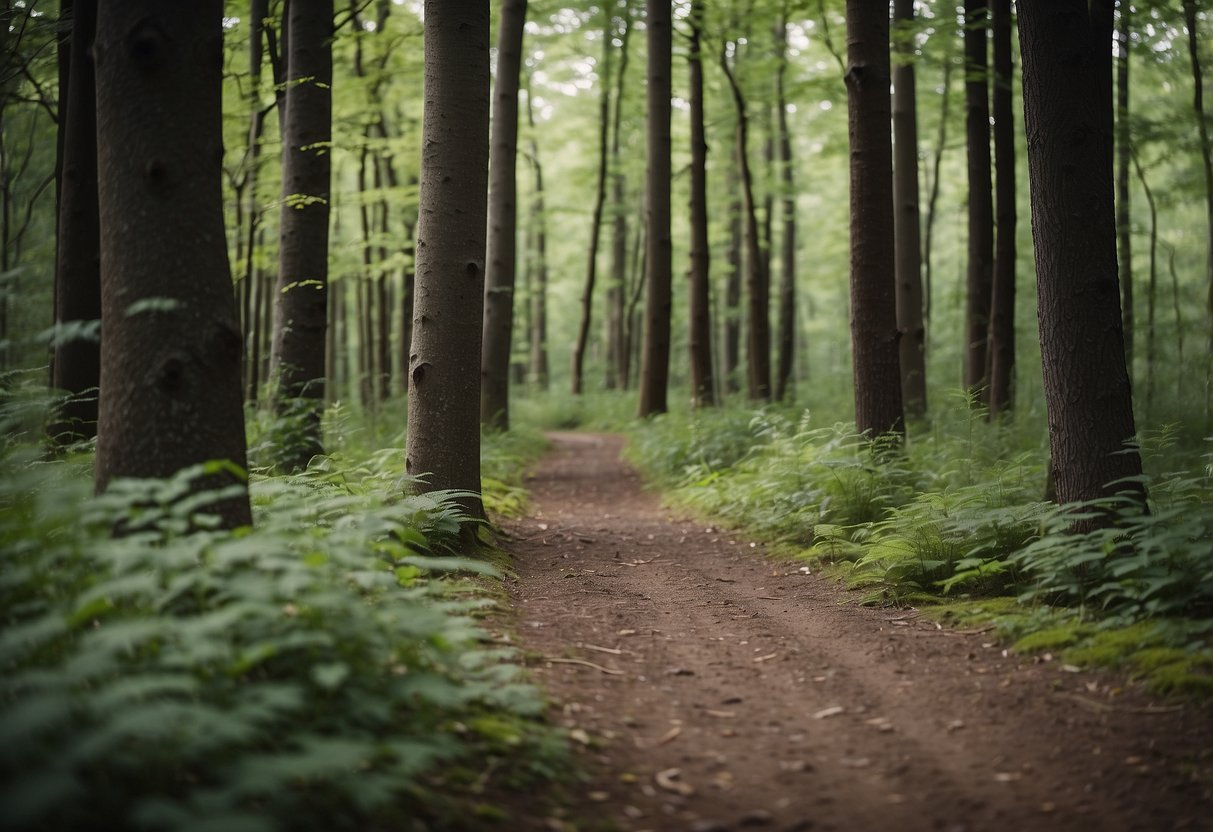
[(362, 284), (503, 223), (1086, 383), (733, 279), (1002, 299), (758, 329), (443, 443), (301, 294), (1124, 152), (591, 266), (77, 359), (1206, 152), (906, 216), (1151, 286), (787, 259), (655, 357), (617, 355), (876, 367), (980, 275), (703, 392), (539, 295), (941, 142), (258, 12), (170, 360)]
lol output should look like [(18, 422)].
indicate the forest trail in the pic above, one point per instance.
[(721, 690)]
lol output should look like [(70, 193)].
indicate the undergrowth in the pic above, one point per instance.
[(323, 670), (957, 514)]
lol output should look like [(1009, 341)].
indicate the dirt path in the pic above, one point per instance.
[(719, 690)]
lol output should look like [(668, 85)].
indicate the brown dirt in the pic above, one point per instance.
[(716, 689)]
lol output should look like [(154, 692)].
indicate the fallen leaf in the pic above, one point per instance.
[(670, 735), (579, 735), (955, 725), (1007, 776), (765, 658), (668, 780), (825, 713), (599, 797), (720, 714)]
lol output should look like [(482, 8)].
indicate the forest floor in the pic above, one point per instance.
[(712, 688)]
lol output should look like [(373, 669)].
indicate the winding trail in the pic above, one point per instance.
[(714, 689)]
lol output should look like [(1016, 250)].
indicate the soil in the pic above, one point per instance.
[(712, 688)]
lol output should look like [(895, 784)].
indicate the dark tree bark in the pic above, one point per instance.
[(591, 266), (617, 355), (539, 296), (876, 367), (252, 282), (787, 259), (907, 241), (979, 273), (1086, 383), (301, 309), (1206, 152), (941, 143), (758, 329), (1124, 152), (503, 223), (1151, 286), (655, 357), (443, 443), (703, 392), (1002, 299), (732, 286), (77, 359), (170, 359)]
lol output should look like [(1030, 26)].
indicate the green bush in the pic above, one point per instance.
[(318, 672)]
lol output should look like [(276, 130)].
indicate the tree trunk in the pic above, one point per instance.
[(1086, 383), (906, 217), (258, 12), (77, 359), (1123, 157), (362, 284), (301, 294), (787, 260), (503, 223), (1206, 152), (941, 142), (876, 367), (539, 298), (591, 266), (1151, 286), (980, 275), (655, 357), (617, 356), (732, 286), (443, 443), (758, 329), (700, 343), (1002, 300), (170, 360)]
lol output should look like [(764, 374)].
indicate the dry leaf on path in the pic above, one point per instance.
[(825, 713), (668, 780)]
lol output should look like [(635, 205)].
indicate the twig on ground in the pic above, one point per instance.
[(584, 663)]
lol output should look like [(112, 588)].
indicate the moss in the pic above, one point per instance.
[(971, 612), (1182, 678), (1096, 655), (1153, 658), (1053, 638)]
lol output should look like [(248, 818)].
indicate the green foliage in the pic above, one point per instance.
[(1144, 564), (318, 672)]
